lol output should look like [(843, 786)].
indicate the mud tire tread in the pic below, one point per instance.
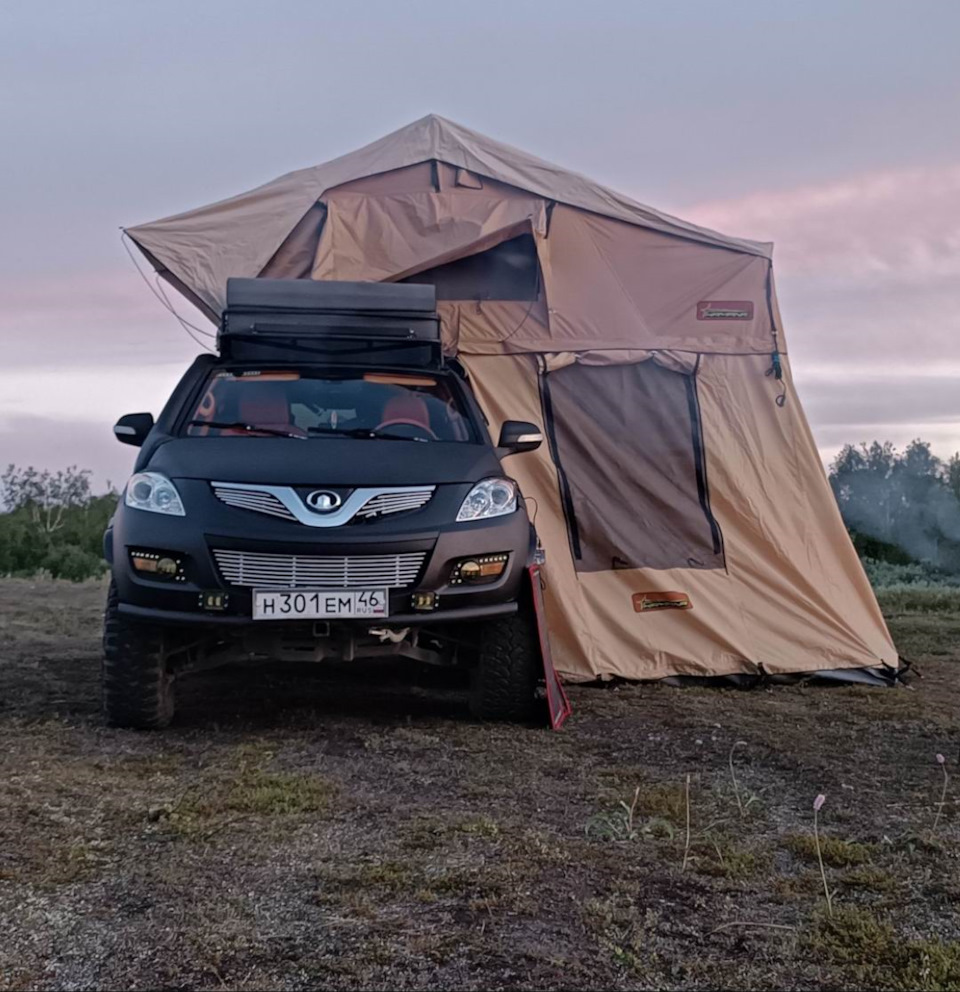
[(508, 669), (137, 686)]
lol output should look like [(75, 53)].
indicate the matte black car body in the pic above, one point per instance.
[(285, 508), (339, 465)]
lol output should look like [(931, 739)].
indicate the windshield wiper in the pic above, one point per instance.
[(239, 425), (363, 432)]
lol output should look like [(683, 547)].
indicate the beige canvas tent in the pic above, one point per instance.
[(688, 524)]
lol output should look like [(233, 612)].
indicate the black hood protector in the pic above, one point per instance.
[(323, 461)]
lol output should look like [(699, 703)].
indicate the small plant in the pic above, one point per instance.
[(817, 806), (942, 762), (622, 823), (741, 805), (617, 824)]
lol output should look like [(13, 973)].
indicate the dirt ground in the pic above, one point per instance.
[(305, 829)]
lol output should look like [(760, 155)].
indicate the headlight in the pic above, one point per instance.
[(490, 498), (155, 493)]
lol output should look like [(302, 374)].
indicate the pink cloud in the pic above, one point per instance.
[(898, 227), (868, 268), (108, 315)]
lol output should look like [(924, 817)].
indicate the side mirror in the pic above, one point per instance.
[(133, 428), (518, 435)]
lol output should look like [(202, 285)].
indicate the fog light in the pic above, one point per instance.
[(424, 601), (158, 565), (480, 568), (216, 601)]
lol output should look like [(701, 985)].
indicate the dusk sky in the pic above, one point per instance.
[(830, 128)]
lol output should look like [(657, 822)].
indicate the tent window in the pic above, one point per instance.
[(628, 446), (508, 271)]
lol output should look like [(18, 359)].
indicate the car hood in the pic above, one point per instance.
[(323, 461)]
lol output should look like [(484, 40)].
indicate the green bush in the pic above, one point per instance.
[(52, 524), (918, 599), (67, 561), (885, 574), (879, 551)]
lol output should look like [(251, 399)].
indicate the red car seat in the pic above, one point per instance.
[(407, 408), (262, 406)]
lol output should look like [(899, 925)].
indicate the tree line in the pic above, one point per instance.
[(901, 507), (51, 522)]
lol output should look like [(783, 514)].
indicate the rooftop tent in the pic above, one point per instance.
[(688, 524)]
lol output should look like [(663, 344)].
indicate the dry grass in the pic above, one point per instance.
[(320, 828)]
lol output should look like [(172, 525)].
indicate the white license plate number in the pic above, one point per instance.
[(318, 604)]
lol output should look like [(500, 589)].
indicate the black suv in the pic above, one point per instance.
[(323, 488)]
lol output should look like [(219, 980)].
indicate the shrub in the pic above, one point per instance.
[(885, 574), (73, 563), (52, 524), (918, 599)]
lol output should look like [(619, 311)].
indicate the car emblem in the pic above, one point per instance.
[(323, 501)]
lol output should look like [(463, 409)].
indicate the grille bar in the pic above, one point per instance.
[(252, 499), (246, 568), (395, 502)]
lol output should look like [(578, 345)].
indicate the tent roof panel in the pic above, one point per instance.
[(201, 248)]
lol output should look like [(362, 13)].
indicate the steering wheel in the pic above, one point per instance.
[(422, 428)]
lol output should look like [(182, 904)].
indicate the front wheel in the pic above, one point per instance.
[(505, 679), (136, 680)]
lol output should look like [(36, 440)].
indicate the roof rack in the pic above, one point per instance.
[(357, 323)]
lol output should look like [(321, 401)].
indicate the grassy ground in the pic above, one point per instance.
[(295, 830)]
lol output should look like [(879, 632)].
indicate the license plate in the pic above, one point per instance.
[(315, 604)]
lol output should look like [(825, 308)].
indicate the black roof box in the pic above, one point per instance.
[(344, 322)]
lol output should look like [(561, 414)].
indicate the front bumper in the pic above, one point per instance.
[(193, 539)]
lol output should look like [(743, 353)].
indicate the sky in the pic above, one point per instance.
[(831, 127)]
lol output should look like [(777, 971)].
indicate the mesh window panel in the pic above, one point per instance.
[(508, 271), (628, 444)]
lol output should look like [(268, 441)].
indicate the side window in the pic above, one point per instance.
[(628, 446)]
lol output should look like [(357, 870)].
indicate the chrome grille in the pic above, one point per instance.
[(396, 502), (253, 499), (247, 568), (364, 503)]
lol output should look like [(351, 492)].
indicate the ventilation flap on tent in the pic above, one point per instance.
[(387, 238)]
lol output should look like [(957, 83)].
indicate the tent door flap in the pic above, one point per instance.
[(627, 444)]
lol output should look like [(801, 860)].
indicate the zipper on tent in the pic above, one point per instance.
[(566, 496), (550, 208), (700, 461), (776, 368)]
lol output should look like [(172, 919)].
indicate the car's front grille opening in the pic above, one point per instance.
[(253, 499), (247, 568), (397, 502)]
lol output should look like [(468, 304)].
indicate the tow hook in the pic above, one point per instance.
[(394, 636)]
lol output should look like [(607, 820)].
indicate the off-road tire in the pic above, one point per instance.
[(504, 681), (136, 680)]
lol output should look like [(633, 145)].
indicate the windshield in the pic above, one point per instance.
[(306, 404)]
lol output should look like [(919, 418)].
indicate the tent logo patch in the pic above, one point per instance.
[(644, 601), (725, 310)]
